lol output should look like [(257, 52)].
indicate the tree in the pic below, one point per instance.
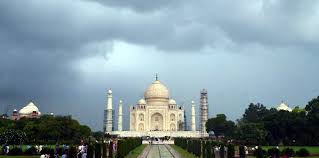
[(255, 113), (220, 125), (251, 133)]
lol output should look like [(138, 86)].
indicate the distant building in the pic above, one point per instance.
[(28, 111), (4, 116), (283, 107)]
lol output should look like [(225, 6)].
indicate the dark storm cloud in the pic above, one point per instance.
[(41, 40)]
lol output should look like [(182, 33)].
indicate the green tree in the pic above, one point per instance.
[(251, 133), (220, 125), (255, 113)]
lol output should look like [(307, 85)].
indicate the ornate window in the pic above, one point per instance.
[(141, 117), (172, 117), (172, 127)]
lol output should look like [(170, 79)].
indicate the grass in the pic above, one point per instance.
[(311, 149), (294, 157), (136, 152), (1, 156), (183, 152)]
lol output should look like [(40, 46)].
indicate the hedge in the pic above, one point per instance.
[(199, 147), (127, 145)]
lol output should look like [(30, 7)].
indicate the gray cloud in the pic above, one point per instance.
[(40, 42)]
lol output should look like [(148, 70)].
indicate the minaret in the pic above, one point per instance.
[(120, 118), (203, 110), (108, 113), (193, 117)]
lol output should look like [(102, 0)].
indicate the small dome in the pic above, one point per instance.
[(142, 102), (172, 102), (28, 109), (109, 91), (284, 107), (156, 91)]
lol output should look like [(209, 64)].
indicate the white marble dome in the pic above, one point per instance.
[(29, 109), (283, 107), (142, 102), (172, 102), (156, 91)]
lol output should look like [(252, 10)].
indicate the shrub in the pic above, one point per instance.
[(31, 151), (126, 145), (273, 152), (47, 150), (15, 151), (97, 150), (230, 151), (242, 152), (259, 153), (288, 152), (222, 151), (90, 151), (72, 152), (302, 152)]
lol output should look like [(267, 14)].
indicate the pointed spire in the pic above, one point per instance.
[(156, 77)]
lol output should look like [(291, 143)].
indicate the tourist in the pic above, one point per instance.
[(7, 149), (64, 155)]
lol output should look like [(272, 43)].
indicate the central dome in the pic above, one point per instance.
[(156, 91)]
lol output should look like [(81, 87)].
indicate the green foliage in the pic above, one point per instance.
[(259, 152), (251, 133), (44, 130), (273, 152), (127, 145), (31, 151), (97, 150), (194, 146), (47, 150), (303, 152), (230, 151), (15, 151), (288, 152), (90, 151), (220, 125), (72, 152), (12, 137), (255, 113), (242, 153), (222, 151), (104, 146)]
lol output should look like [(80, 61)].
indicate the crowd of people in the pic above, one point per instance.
[(80, 153)]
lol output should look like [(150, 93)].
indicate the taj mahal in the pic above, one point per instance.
[(156, 115)]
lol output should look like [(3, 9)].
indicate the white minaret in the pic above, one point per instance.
[(120, 119), (109, 113), (193, 117)]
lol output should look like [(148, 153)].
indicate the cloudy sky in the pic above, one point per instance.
[(65, 54)]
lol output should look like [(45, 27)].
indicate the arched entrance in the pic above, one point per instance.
[(156, 122)]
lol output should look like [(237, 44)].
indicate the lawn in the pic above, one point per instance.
[(1, 156), (136, 152), (311, 149), (183, 152)]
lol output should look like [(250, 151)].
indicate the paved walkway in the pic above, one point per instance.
[(159, 151)]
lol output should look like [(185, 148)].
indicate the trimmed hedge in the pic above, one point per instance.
[(31, 151), (230, 151), (127, 145), (273, 152), (302, 152), (288, 152), (202, 148), (242, 152), (15, 151)]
